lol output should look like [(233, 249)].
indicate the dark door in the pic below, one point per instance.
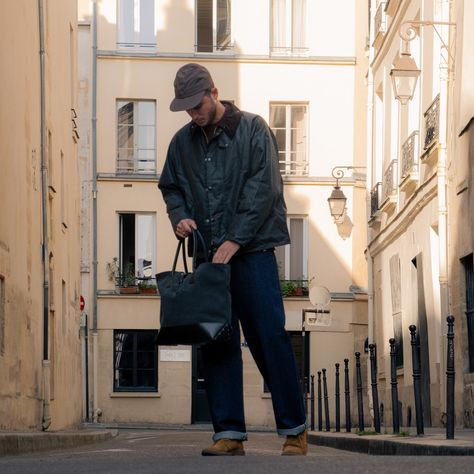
[(422, 331), (200, 409)]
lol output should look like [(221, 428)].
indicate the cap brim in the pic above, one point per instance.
[(177, 105)]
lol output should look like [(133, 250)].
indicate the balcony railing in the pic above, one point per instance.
[(375, 199), (431, 124), (289, 51), (389, 185), (127, 166), (409, 156), (294, 168)]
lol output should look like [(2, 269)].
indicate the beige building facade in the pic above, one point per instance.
[(40, 354), (420, 232), (281, 59)]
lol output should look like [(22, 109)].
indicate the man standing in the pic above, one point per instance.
[(221, 175)]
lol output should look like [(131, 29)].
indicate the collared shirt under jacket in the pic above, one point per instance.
[(230, 185)]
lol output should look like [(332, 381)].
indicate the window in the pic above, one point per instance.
[(467, 263), (137, 247), (289, 124), (136, 24), (136, 136), (301, 350), (135, 361), (288, 28), (213, 25), (292, 258)]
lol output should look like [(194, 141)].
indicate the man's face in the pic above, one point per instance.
[(205, 112)]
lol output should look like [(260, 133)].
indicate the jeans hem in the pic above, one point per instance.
[(237, 435), (292, 431)]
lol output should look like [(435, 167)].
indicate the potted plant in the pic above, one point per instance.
[(288, 288), (129, 280), (113, 269), (145, 287)]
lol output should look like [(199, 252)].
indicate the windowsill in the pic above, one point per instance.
[(135, 395), (151, 177)]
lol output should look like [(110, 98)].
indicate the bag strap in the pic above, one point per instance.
[(175, 261), (196, 236)]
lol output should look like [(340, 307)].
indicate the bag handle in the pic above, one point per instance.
[(196, 236)]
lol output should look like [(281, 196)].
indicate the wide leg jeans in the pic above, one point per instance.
[(257, 304)]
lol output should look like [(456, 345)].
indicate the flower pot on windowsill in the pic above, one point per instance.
[(129, 290), (149, 290)]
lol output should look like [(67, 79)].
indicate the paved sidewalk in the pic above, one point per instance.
[(432, 443), (27, 442)]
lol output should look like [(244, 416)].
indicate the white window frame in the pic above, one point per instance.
[(215, 49), (288, 49), (287, 162), (286, 249), (152, 246), (138, 38), (140, 166)]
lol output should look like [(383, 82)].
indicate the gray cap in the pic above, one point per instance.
[(191, 83)]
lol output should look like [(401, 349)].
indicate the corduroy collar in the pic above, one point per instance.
[(229, 121)]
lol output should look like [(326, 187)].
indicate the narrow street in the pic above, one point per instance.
[(149, 451)]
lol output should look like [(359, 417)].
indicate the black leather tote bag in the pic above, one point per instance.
[(195, 307)]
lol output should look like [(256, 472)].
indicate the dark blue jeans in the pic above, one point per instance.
[(258, 305)]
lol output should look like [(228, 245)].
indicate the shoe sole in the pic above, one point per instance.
[(232, 453)]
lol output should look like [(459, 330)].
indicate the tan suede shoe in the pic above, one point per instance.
[(225, 447), (295, 445)]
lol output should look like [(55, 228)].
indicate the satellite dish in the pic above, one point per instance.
[(319, 296)]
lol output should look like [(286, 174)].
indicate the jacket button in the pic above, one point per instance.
[(207, 221)]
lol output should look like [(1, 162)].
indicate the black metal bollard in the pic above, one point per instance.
[(375, 394), (394, 383), (338, 401), (450, 378), (320, 405), (415, 351), (326, 401), (360, 400), (312, 402), (347, 395)]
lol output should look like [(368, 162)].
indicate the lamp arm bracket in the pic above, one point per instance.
[(408, 31), (338, 171)]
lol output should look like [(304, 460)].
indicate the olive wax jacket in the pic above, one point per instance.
[(231, 186)]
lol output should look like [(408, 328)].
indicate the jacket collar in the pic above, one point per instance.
[(229, 121)]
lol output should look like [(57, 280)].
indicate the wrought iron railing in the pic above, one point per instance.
[(409, 163), (431, 124), (375, 198), (389, 185), (136, 165), (289, 50), (294, 168), (136, 45)]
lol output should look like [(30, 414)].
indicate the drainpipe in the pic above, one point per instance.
[(46, 419), (95, 362), (443, 236)]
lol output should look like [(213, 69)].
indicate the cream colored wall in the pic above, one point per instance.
[(335, 88), (20, 226)]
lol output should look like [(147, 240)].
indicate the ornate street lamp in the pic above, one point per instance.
[(337, 203), (404, 76)]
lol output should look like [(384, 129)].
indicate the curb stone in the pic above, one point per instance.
[(19, 443), (412, 446)]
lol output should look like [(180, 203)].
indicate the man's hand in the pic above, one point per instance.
[(185, 227), (225, 252)]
